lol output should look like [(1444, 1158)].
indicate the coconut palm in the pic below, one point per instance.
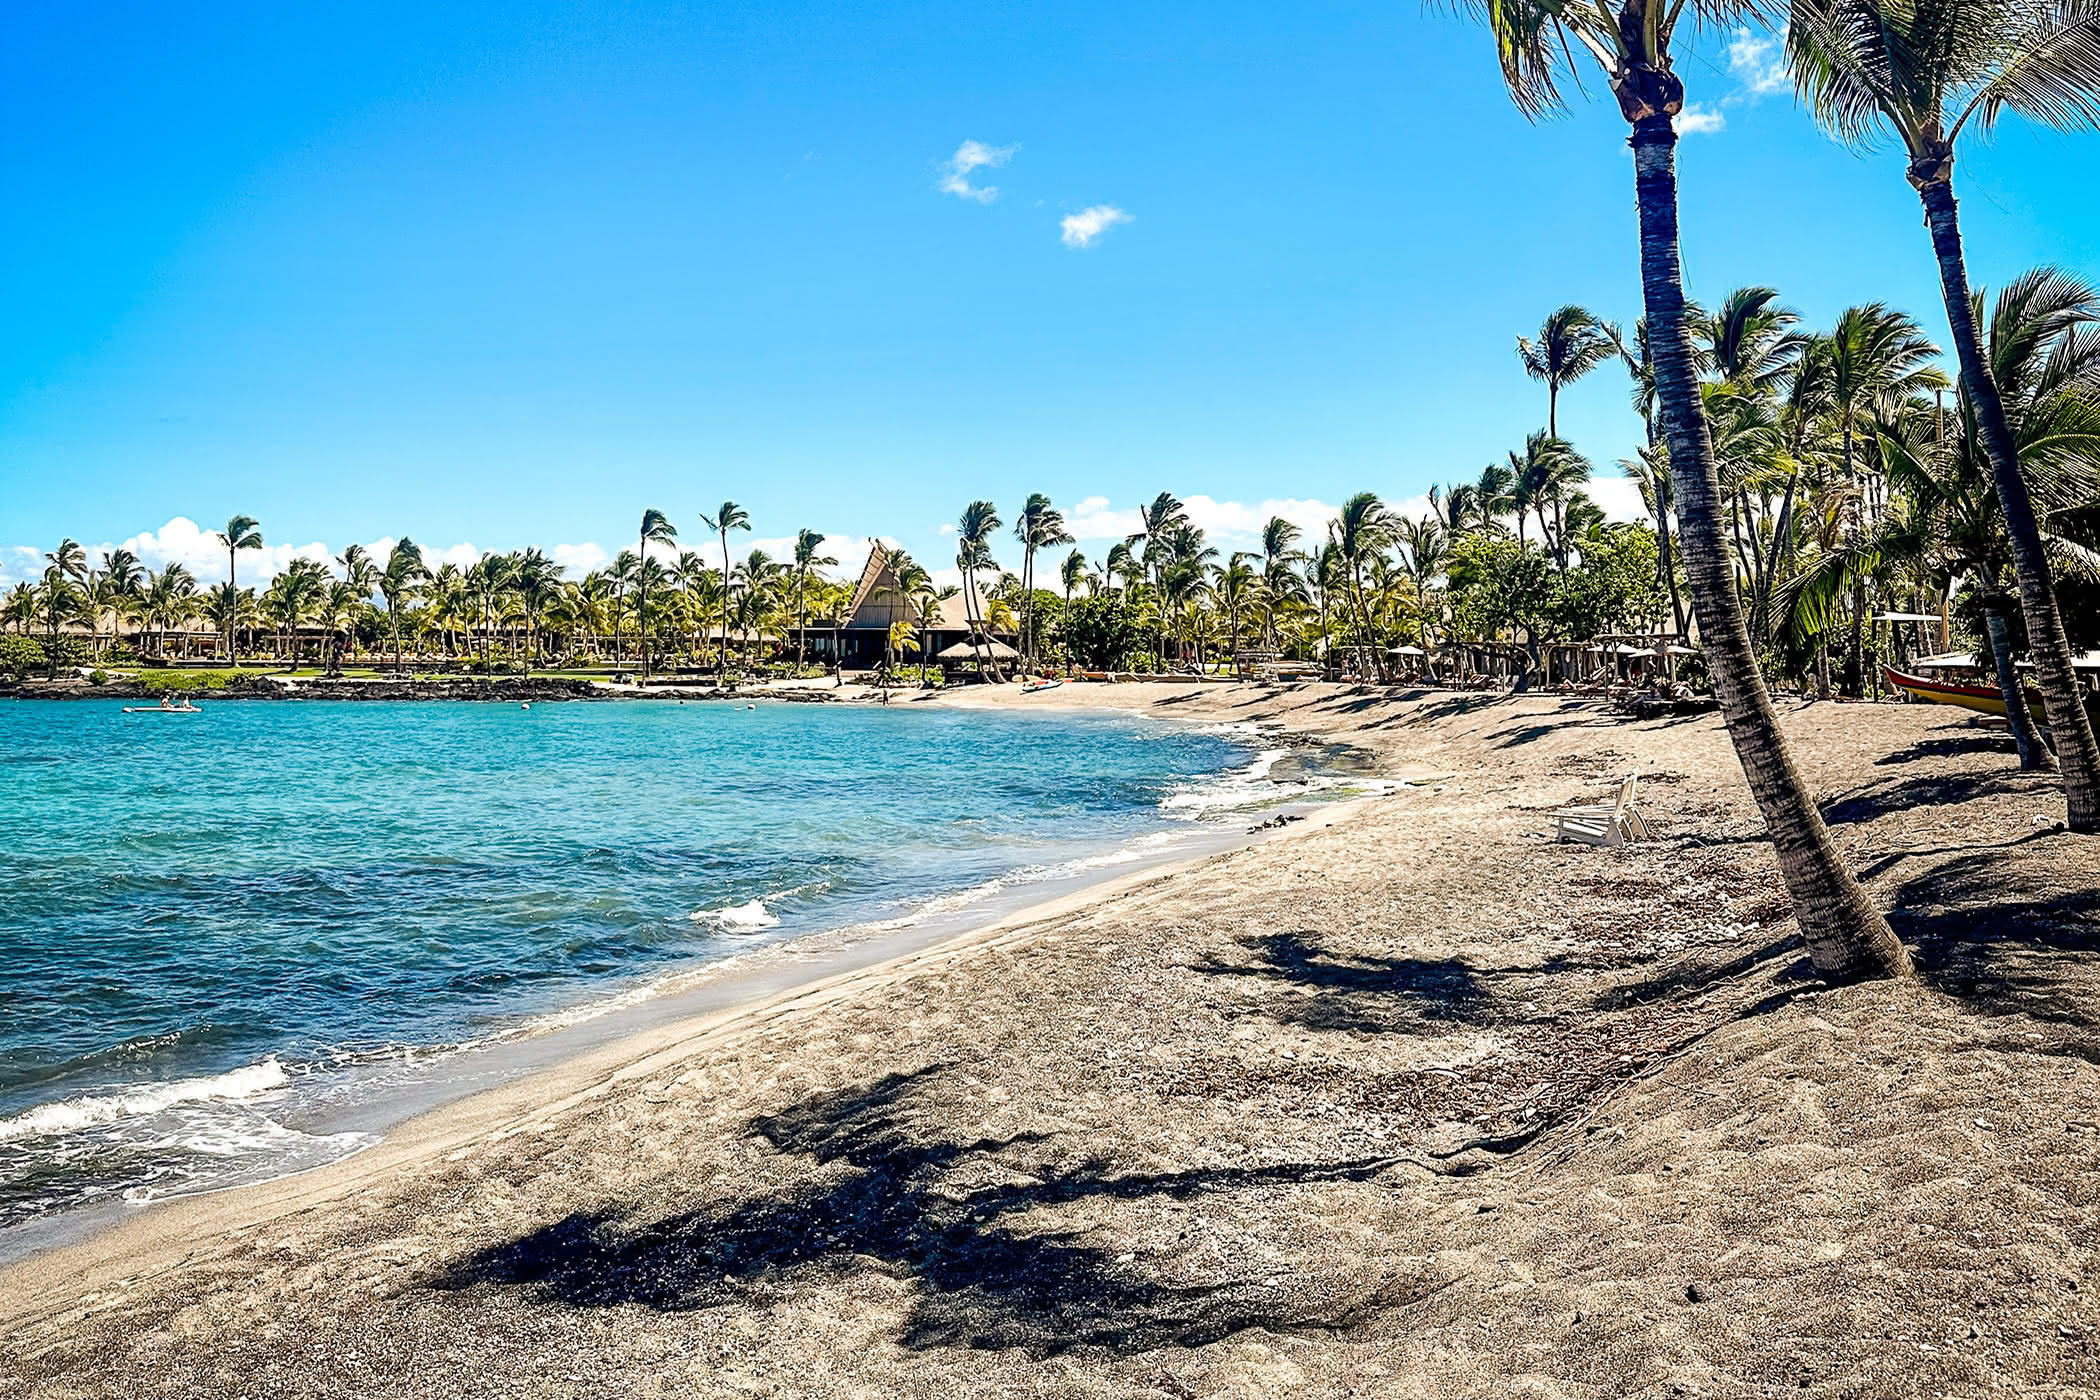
[(69, 559), (403, 575), (973, 554), (241, 532), (656, 529), (1426, 546), (1630, 40), (58, 602), (1571, 343), (1039, 526), (1363, 528), (1930, 70), (807, 562), (730, 517)]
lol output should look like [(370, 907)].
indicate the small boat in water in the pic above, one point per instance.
[(165, 707)]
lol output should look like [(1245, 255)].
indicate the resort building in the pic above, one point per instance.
[(879, 601)]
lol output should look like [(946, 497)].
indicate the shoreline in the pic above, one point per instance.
[(677, 1004), (1411, 1100), (752, 989)]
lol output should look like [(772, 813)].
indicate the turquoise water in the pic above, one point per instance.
[(205, 920)]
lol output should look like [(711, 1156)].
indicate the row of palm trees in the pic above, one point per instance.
[(1926, 71)]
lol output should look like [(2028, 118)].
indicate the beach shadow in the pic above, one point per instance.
[(1943, 789), (2007, 934), (1957, 746), (1690, 977), (885, 1188), (1376, 994)]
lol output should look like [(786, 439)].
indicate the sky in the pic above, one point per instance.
[(496, 275)]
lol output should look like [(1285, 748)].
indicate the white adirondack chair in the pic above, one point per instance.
[(1605, 823)]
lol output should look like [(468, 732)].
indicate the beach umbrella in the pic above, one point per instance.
[(969, 651)]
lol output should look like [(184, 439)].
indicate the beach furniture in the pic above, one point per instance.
[(1605, 823)]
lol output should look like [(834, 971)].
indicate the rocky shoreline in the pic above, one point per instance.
[(499, 688)]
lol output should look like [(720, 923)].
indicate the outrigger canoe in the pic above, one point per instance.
[(1983, 699)]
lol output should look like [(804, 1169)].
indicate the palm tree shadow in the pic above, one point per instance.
[(1377, 994), (885, 1188), (1983, 929)]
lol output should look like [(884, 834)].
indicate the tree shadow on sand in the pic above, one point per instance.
[(886, 1188), (1361, 992), (2008, 935)]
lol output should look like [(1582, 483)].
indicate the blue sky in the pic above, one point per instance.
[(496, 275)]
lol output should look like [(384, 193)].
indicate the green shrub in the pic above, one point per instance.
[(98, 676)]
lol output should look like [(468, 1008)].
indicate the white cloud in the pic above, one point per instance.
[(1081, 229), (20, 562), (1619, 497), (576, 560), (851, 551), (1759, 62), (973, 156), (1229, 524), (1697, 120)]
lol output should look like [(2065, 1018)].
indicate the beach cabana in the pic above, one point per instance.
[(990, 649)]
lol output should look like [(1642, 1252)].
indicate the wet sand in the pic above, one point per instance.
[(1402, 1099)]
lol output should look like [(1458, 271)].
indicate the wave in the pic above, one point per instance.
[(738, 918), (95, 1110)]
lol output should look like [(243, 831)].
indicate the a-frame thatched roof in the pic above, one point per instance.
[(879, 600)]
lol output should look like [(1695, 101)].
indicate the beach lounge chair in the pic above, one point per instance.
[(1605, 823)]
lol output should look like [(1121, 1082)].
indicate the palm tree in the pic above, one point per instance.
[(1426, 545), (730, 517), (973, 552), (241, 532), (58, 602), (1630, 40), (656, 529), (1571, 343), (807, 562), (1157, 521), (1363, 528), (398, 581), (1039, 526), (1926, 69)]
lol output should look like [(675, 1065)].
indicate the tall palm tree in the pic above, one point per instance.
[(656, 529), (1039, 526), (58, 602), (1928, 69), (807, 562), (730, 517), (1630, 40), (1156, 523), (973, 552), (1571, 343), (1426, 545), (398, 581), (241, 532), (1363, 528)]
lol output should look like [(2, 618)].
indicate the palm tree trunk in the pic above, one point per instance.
[(2032, 755), (2046, 642), (1847, 937)]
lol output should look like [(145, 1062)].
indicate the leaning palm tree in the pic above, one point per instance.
[(656, 529), (730, 517), (1571, 343), (241, 532), (1630, 40), (1928, 70)]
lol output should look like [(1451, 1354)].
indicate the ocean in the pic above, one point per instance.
[(221, 932)]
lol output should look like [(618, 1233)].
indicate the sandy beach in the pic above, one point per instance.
[(1401, 1099)]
